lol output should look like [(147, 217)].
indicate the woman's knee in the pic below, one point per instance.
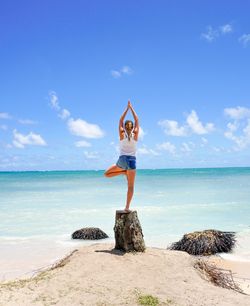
[(106, 173)]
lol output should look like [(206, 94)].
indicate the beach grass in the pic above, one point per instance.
[(148, 300)]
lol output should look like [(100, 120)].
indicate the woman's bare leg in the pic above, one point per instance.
[(131, 182), (114, 171)]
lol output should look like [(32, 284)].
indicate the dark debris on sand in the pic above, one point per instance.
[(219, 277), (206, 242), (89, 233)]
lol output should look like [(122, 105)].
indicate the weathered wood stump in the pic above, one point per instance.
[(128, 232)]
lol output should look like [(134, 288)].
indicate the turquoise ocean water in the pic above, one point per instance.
[(40, 210)]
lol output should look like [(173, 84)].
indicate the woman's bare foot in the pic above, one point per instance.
[(127, 210)]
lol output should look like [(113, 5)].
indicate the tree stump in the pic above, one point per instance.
[(128, 232)]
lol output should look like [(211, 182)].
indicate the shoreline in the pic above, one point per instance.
[(99, 275)]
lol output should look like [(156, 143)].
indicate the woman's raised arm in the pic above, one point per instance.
[(136, 127), (122, 119), (134, 115)]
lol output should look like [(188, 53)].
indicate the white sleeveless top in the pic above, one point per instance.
[(128, 147)]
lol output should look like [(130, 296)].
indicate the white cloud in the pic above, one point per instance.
[(237, 113), (20, 140), (82, 143), (5, 116), (191, 144), (146, 151), (185, 147), (141, 133), (245, 39), (4, 127), (9, 161), (196, 126), (204, 140), (226, 28), (217, 149), (64, 114), (232, 126), (115, 74), (78, 127), (246, 130), (82, 128), (239, 130), (172, 128), (126, 70), (18, 144), (26, 121), (241, 140), (91, 155), (212, 33), (118, 73), (167, 146), (143, 151), (54, 101)]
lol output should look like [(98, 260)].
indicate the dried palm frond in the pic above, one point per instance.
[(220, 277), (205, 243)]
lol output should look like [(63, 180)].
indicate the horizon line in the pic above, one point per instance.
[(96, 170)]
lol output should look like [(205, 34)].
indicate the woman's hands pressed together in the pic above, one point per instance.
[(129, 105)]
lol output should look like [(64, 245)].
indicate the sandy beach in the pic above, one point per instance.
[(100, 275)]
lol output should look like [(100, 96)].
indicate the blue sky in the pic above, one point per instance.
[(68, 69)]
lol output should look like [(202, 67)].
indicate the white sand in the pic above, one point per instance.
[(99, 275)]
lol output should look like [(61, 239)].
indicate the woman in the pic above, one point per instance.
[(126, 163)]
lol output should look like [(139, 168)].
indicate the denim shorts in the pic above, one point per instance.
[(126, 162)]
